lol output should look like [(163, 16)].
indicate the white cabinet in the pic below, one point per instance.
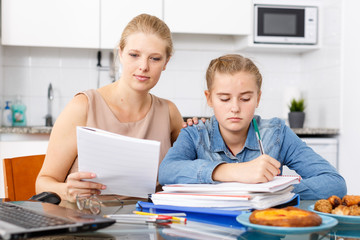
[(209, 16), (99, 23), (16, 145), (50, 23), (68, 23), (115, 14), (325, 147)]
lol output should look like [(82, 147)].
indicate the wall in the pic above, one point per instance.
[(27, 71), (321, 70), (2, 104), (350, 111)]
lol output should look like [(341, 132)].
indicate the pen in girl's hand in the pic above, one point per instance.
[(257, 133)]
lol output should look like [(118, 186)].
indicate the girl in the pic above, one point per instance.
[(125, 107), (225, 148)]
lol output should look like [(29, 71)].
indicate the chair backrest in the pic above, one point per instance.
[(20, 174)]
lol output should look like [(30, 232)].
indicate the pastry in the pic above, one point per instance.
[(350, 200), (285, 217), (323, 205), (341, 210), (335, 201), (354, 210)]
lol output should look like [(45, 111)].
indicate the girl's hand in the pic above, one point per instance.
[(191, 121), (76, 186), (259, 170)]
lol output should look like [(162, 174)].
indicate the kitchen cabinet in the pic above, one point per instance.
[(231, 17), (99, 23), (16, 145), (325, 147), (67, 23), (55, 23), (115, 14)]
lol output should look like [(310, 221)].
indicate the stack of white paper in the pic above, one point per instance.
[(228, 195), (127, 166)]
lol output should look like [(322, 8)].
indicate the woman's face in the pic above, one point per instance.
[(234, 99), (143, 59)]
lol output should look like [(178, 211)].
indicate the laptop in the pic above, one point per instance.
[(24, 219)]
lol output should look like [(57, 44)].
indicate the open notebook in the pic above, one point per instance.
[(26, 219)]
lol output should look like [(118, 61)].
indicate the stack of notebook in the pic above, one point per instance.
[(230, 196)]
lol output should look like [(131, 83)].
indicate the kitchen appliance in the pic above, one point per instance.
[(285, 24)]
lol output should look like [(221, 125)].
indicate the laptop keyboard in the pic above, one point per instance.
[(26, 218)]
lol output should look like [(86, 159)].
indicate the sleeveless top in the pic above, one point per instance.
[(154, 126)]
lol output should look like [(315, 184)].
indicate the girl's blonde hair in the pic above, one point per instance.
[(148, 24), (231, 64)]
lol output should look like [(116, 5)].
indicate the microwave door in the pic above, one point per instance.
[(281, 25)]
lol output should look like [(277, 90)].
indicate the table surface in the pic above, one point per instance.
[(196, 230)]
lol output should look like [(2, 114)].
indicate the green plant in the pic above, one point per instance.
[(297, 105)]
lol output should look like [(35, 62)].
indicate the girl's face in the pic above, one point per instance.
[(143, 59), (234, 99)]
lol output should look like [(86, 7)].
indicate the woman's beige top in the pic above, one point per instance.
[(154, 126)]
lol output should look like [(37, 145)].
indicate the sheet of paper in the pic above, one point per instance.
[(127, 166), (278, 183)]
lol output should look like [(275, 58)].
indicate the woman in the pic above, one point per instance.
[(226, 148), (125, 107)]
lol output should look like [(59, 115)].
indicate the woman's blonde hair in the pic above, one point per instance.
[(148, 24), (231, 64)]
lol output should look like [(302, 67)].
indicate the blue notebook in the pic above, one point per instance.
[(225, 218)]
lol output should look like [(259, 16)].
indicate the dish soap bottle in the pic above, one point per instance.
[(7, 115), (18, 113)]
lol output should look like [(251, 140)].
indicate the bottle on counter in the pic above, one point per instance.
[(18, 113), (7, 115)]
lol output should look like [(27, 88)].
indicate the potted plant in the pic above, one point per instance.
[(296, 114)]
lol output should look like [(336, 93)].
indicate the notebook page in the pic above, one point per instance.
[(127, 166), (278, 183)]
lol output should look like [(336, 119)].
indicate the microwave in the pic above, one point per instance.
[(279, 24)]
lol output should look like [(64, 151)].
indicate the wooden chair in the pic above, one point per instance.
[(20, 174)]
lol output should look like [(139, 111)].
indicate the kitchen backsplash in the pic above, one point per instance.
[(27, 71)]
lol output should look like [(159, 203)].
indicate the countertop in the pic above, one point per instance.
[(316, 132), (311, 132), (26, 130)]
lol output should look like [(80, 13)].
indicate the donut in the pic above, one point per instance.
[(285, 217)]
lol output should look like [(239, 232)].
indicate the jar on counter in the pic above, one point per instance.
[(7, 115), (18, 113)]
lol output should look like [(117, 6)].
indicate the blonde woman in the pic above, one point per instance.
[(125, 107)]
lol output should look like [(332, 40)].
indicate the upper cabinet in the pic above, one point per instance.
[(99, 23), (231, 17), (50, 23), (115, 14)]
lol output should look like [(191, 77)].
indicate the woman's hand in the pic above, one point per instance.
[(191, 121), (76, 186), (259, 170)]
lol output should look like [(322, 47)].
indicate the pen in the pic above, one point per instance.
[(257, 133), (177, 219), (133, 218)]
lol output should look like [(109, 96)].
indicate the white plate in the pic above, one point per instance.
[(327, 223), (340, 218)]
